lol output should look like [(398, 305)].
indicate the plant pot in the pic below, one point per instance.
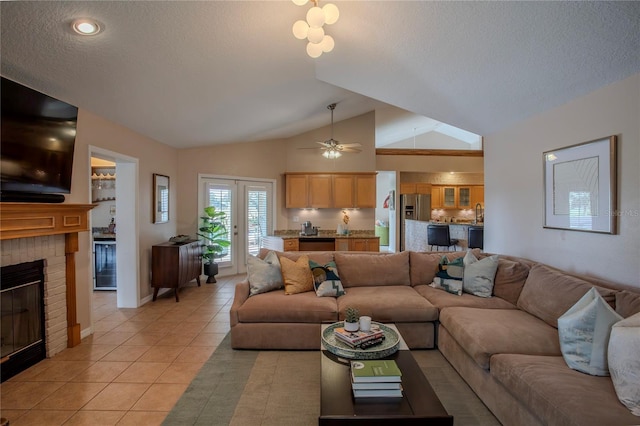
[(351, 326), (210, 270)]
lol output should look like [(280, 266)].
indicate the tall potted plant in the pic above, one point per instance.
[(213, 231)]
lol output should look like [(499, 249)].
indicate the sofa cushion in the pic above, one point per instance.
[(485, 332), (548, 293), (479, 275), (624, 362), (277, 307), (388, 304), (559, 395), (296, 275), (320, 257), (584, 334), (627, 303), (358, 269), (441, 299), (510, 278), (424, 267), (264, 274)]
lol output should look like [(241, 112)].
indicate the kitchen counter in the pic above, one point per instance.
[(360, 240), (416, 234)]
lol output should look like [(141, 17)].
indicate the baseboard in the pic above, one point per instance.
[(86, 332)]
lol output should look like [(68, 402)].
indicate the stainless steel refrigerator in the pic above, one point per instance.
[(413, 207)]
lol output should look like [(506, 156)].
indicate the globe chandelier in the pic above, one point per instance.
[(312, 29)]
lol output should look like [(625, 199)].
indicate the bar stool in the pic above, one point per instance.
[(476, 237), (438, 235)]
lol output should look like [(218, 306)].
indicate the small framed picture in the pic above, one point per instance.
[(160, 198)]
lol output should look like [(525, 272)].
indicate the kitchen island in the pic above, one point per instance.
[(324, 241), (416, 234)]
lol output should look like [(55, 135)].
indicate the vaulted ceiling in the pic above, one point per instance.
[(200, 73)]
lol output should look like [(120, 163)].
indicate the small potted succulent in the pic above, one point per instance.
[(351, 319)]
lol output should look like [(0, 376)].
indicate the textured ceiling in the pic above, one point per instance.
[(198, 73)]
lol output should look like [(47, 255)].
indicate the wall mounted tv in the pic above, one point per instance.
[(36, 148)]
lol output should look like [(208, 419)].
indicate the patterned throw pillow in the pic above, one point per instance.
[(449, 276), (326, 280), (584, 332), (296, 275), (264, 275)]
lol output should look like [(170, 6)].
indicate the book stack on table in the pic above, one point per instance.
[(360, 339), (376, 379)]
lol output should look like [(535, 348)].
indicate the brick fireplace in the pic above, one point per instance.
[(49, 232)]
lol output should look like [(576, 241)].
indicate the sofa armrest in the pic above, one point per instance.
[(240, 296)]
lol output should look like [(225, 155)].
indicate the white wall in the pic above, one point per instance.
[(514, 188)]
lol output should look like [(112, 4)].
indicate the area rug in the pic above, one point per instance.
[(243, 387)]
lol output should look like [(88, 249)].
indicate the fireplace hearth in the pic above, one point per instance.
[(22, 338)]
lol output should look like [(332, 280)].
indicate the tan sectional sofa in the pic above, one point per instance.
[(506, 347)]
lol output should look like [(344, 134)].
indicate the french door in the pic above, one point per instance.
[(249, 208)]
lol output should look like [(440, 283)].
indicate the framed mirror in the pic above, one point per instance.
[(160, 198)]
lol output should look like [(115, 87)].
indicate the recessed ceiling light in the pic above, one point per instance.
[(86, 26)]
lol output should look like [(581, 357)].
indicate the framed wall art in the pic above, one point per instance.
[(580, 187), (160, 198)]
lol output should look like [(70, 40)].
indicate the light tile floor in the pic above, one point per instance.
[(134, 367)]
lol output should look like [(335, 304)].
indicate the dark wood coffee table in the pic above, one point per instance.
[(418, 406)]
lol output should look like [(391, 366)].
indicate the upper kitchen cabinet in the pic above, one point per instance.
[(408, 188), (477, 195), (296, 191), (320, 194), (456, 197), (337, 190)]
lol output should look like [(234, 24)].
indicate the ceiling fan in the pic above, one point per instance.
[(333, 148)]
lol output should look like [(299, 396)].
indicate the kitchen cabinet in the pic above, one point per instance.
[(464, 197), (291, 244), (327, 190), (296, 191), (408, 188), (477, 195), (320, 195), (364, 244), (342, 244), (423, 188), (449, 197), (456, 197), (175, 264), (436, 197)]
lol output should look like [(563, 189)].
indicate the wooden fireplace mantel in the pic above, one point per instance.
[(24, 220)]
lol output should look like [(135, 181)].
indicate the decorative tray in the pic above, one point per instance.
[(388, 347)]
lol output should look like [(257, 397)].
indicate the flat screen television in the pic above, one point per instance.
[(36, 149)]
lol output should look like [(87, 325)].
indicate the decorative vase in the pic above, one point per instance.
[(210, 270), (351, 326)]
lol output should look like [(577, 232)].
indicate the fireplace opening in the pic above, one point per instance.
[(22, 339)]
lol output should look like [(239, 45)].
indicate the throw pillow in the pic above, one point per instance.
[(584, 334), (479, 275), (264, 275), (449, 285), (296, 275), (451, 269), (326, 280), (624, 362)]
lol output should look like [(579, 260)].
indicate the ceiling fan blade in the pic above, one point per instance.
[(348, 145), (314, 147), (324, 144), (350, 150)]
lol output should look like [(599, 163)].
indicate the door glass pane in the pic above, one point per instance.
[(220, 196), (257, 213)]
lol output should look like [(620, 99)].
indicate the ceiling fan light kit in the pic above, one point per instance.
[(332, 148), (312, 29)]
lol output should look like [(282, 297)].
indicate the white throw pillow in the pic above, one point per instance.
[(264, 275), (584, 333), (624, 361), (479, 275)]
